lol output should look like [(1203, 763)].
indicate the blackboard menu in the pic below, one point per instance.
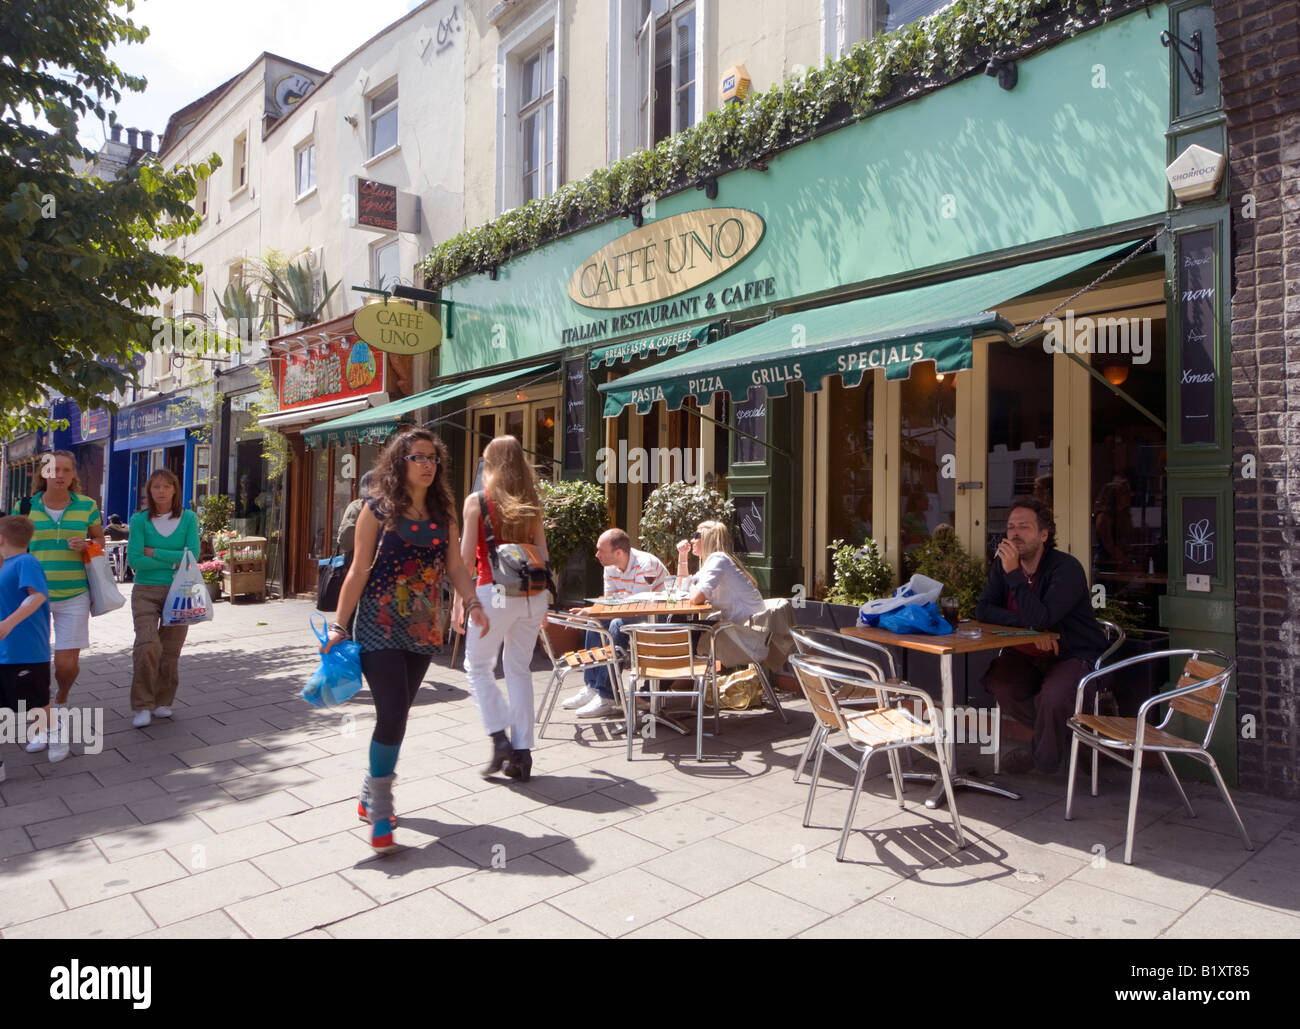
[(575, 414), (749, 516), (1200, 529), (751, 417), (1196, 287)]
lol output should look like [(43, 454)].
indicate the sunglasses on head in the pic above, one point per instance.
[(698, 535)]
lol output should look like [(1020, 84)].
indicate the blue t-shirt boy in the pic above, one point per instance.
[(28, 643)]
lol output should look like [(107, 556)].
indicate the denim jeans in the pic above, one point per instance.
[(598, 677)]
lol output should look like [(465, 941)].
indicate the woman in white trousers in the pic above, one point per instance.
[(510, 497)]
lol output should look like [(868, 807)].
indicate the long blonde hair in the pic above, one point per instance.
[(715, 538), (511, 485)]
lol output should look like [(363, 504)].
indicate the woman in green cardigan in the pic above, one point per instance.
[(159, 537)]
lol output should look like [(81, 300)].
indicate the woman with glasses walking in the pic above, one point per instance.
[(406, 542)]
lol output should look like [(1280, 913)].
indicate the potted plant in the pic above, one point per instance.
[(674, 510), (859, 574), (575, 515), (943, 559), (214, 513), (211, 572)]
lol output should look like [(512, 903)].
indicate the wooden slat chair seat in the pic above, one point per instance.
[(877, 664), (1199, 695), (889, 727), (578, 660), (663, 652)]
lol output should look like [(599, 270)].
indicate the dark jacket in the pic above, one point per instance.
[(1058, 601)]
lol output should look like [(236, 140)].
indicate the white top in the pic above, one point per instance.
[(165, 524), (727, 588), (55, 513), (644, 572)]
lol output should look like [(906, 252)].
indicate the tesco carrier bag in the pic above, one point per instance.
[(188, 601)]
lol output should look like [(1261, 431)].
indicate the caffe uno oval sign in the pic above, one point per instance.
[(397, 328), (671, 256)]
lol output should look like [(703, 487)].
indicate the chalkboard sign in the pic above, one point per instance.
[(1200, 536), (575, 414), (749, 516), (751, 417), (1196, 383)]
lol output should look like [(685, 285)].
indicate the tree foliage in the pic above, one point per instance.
[(76, 269)]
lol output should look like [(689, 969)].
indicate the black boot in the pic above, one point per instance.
[(520, 765), (500, 753)]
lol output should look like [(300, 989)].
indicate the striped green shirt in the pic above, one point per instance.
[(63, 567)]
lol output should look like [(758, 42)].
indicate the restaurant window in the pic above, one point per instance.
[(530, 418), (537, 123), (721, 441), (1129, 503), (239, 163), (667, 69), (928, 440), (383, 120), (887, 15), (320, 490), (385, 266), (851, 429), (201, 197), (1020, 412), (304, 167)]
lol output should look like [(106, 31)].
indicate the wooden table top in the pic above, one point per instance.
[(952, 644), (645, 609)]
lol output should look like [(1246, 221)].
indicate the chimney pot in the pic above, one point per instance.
[(147, 141), (131, 135), (116, 133)]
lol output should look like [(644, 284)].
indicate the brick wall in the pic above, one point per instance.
[(1259, 65)]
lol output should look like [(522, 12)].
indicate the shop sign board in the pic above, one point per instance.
[(340, 370), (665, 258), (575, 414), (1196, 307), (397, 327), (180, 411)]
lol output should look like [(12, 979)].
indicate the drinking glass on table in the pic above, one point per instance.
[(670, 589), (950, 610)]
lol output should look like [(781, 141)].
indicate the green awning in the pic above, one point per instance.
[(892, 331), (376, 424), (679, 339)]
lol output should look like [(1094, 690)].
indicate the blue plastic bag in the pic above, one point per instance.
[(338, 678), (916, 618)]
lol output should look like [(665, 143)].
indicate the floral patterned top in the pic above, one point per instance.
[(401, 607)]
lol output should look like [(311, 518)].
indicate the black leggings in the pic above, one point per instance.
[(394, 677)]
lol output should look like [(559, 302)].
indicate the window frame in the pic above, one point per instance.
[(542, 107), (378, 247), (239, 164), (646, 94), (374, 113), (306, 147)]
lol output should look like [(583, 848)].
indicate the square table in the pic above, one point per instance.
[(992, 637)]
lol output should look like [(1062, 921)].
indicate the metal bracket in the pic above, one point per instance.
[(1196, 74), (423, 296)]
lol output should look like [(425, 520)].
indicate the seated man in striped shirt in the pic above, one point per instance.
[(627, 570)]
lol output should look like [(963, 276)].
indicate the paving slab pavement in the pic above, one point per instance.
[(236, 818)]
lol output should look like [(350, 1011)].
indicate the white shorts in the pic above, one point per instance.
[(71, 619)]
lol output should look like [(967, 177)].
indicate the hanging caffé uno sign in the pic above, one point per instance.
[(665, 258), (397, 328)]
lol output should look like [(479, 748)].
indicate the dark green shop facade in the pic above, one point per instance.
[(898, 325)]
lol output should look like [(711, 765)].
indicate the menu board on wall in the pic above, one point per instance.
[(1200, 531), (575, 414), (1196, 288), (751, 418), (749, 516)]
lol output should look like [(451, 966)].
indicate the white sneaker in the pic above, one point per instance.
[(580, 699), (37, 743), (600, 708), (59, 748), (162, 712), (142, 718)]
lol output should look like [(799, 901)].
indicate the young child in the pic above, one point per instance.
[(24, 621)]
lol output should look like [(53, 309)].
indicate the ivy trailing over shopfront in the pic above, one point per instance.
[(886, 70), (275, 444)]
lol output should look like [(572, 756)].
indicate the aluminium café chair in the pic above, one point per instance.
[(814, 640), (889, 726), (664, 651), (732, 631), (604, 655), (1199, 695)]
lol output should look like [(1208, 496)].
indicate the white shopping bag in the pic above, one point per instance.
[(188, 601), (104, 596), (919, 589)]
